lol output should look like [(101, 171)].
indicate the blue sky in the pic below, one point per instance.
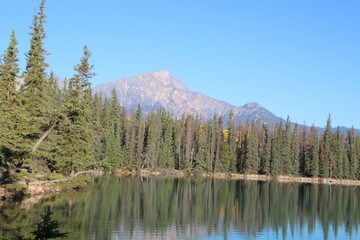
[(297, 58)]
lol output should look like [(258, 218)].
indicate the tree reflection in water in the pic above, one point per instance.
[(162, 208)]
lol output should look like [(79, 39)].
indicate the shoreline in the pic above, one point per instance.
[(251, 177), (284, 179), (19, 190)]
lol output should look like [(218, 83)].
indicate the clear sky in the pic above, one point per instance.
[(299, 58)]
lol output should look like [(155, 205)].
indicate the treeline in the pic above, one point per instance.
[(44, 129)]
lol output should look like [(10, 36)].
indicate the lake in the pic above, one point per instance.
[(194, 208)]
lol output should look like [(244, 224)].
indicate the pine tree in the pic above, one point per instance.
[(202, 148), (352, 154), (276, 156), (9, 72), (167, 151), (251, 159), (76, 131), (225, 156), (36, 85), (231, 140), (38, 118), (287, 165), (338, 152), (83, 75), (152, 141), (295, 152), (217, 124), (346, 165), (313, 154), (212, 143), (118, 130), (56, 96), (357, 140), (134, 140), (326, 162), (11, 146), (305, 163), (266, 156)]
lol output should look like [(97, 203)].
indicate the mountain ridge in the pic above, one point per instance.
[(164, 90)]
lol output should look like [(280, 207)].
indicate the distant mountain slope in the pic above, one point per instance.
[(162, 89)]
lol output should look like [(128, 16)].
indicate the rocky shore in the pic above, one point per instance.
[(18, 190)]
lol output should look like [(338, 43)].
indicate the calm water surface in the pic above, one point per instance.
[(194, 208)]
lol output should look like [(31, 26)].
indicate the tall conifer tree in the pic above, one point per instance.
[(338, 152), (327, 156), (36, 85), (295, 152), (10, 130), (9, 72), (266, 156), (276, 156), (352, 154)]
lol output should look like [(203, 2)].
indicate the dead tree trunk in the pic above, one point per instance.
[(42, 138)]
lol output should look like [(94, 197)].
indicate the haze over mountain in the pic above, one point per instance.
[(162, 89)]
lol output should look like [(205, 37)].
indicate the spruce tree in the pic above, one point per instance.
[(200, 157), (251, 159), (217, 124), (225, 156), (327, 156), (134, 140), (313, 153), (287, 165), (76, 131), (167, 151), (36, 85), (118, 129), (352, 154), (346, 165), (295, 152), (152, 142), (11, 146), (9, 72), (38, 116), (266, 156), (357, 141), (338, 152), (231, 140), (276, 156)]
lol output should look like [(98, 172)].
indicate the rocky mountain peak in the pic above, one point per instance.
[(163, 75), (252, 105), (162, 89)]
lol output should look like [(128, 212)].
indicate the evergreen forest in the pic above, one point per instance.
[(47, 131)]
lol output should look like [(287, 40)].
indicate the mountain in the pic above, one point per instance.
[(162, 89)]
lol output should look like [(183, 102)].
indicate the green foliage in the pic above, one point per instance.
[(202, 149), (266, 156), (250, 155), (276, 148), (327, 156), (225, 157)]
